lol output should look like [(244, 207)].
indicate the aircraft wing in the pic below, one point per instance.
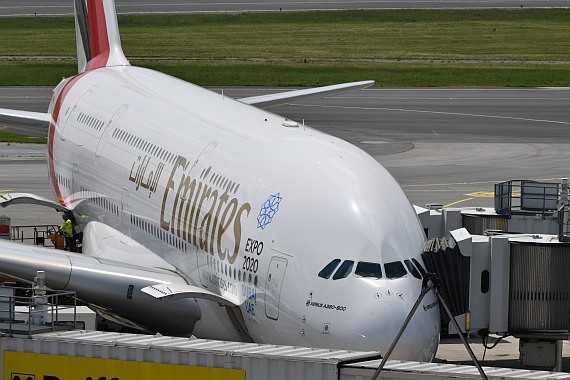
[(24, 118), (75, 271), (26, 198), (177, 291), (309, 93), (137, 291)]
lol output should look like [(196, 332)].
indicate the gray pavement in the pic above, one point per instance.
[(23, 168), (11, 8)]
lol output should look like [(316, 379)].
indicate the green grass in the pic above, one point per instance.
[(221, 73), (16, 138), (422, 47)]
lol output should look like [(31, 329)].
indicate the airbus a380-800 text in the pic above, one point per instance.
[(204, 215)]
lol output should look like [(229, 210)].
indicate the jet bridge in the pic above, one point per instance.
[(505, 270)]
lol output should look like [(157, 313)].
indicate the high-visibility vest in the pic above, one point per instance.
[(67, 228)]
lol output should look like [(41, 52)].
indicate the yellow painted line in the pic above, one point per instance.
[(481, 194), (435, 113), (456, 202), (2, 192), (489, 194)]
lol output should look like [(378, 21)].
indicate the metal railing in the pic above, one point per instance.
[(564, 223), (26, 311), (38, 234), (526, 197)]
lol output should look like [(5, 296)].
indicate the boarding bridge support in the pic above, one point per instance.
[(514, 260), (517, 285)]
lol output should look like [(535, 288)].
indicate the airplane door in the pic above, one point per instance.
[(70, 114), (75, 178), (273, 284), (203, 258), (125, 214), (107, 130)]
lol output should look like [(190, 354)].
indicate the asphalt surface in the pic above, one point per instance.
[(10, 8)]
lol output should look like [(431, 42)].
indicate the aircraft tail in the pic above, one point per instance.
[(97, 32)]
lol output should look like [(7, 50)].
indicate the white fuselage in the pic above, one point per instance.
[(247, 205)]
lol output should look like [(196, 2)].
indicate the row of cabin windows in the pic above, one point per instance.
[(63, 181), (159, 233), (392, 270), (176, 242), (182, 245), (106, 204), (231, 272), (90, 121), (144, 145)]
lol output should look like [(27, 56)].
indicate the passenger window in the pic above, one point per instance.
[(365, 269), (420, 267), (412, 269), (344, 270), (395, 269), (327, 271)]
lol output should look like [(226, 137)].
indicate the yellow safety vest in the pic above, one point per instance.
[(67, 228)]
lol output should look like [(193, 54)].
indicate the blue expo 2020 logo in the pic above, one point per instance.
[(268, 210)]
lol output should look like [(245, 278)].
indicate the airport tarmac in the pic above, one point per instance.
[(443, 145)]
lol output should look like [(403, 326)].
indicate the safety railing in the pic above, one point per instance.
[(23, 312), (38, 234), (526, 197)]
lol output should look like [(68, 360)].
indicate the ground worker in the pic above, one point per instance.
[(66, 230)]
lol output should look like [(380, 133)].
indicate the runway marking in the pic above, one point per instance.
[(467, 89), (481, 194), (459, 201), (489, 194), (434, 112), (2, 192), (437, 98)]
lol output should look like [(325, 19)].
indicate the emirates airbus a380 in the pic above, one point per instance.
[(205, 215)]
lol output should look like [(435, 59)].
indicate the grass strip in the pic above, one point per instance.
[(223, 73), (423, 47), (16, 138)]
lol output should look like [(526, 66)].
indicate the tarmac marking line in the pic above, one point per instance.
[(459, 201), (435, 113)]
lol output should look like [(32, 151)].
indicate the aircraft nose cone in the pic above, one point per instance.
[(380, 326)]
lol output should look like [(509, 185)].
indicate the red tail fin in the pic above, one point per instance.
[(98, 39)]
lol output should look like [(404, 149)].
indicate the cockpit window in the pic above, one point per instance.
[(395, 269), (327, 271), (344, 270), (420, 267), (365, 269), (412, 269)]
